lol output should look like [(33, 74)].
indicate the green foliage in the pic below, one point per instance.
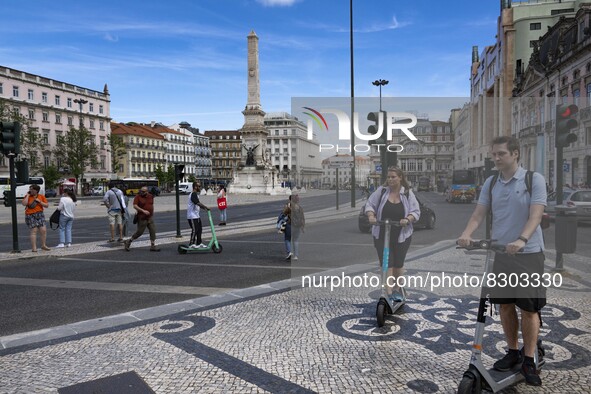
[(118, 151), (77, 150), (51, 175), (192, 178)]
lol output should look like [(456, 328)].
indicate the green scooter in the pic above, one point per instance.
[(213, 245)]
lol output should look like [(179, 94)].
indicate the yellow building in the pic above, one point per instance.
[(146, 150)]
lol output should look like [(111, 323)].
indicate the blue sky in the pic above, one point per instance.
[(185, 60)]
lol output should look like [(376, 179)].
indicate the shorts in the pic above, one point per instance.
[(397, 251), (515, 280), (35, 220), (115, 217)]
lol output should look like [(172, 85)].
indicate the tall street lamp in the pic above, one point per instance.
[(80, 103), (380, 83), (352, 103)]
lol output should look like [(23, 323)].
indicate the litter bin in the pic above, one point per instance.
[(566, 229)]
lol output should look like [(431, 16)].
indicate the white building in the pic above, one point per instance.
[(296, 158), (329, 173), (53, 107), (202, 150)]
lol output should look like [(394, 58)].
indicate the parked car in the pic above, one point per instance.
[(50, 193), (574, 198), (97, 191), (185, 188), (427, 219)]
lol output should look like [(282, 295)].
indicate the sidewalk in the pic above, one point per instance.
[(282, 337)]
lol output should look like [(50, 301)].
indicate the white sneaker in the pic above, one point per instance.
[(193, 246), (295, 257), (202, 246), (60, 246), (288, 256), (68, 245)]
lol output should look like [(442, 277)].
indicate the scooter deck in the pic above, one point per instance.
[(194, 250)]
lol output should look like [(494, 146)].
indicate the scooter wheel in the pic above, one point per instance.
[(217, 249), (381, 313), (470, 383), (181, 249)]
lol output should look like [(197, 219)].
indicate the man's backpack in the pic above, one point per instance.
[(529, 176)]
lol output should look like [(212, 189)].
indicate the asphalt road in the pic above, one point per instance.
[(44, 292)]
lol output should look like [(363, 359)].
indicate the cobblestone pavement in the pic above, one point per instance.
[(283, 337)]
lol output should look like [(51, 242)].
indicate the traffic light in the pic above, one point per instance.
[(10, 138), (180, 171), (391, 159), (375, 128), (7, 198), (22, 171), (565, 121)]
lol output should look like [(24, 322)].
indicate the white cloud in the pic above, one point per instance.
[(110, 37), (277, 3)]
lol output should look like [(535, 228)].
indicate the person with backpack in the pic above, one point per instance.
[(395, 201), (294, 226), (66, 207), (516, 211), (113, 200)]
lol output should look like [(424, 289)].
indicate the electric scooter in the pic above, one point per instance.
[(213, 244), (477, 376), (386, 306)]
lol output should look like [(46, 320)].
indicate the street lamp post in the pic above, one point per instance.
[(80, 103), (352, 105), (380, 83)]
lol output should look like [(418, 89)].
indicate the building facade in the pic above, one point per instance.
[(202, 150), (52, 108), (146, 150), (329, 172), (226, 153), (296, 158), (501, 65), (559, 72)]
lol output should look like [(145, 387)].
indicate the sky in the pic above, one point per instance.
[(185, 60)]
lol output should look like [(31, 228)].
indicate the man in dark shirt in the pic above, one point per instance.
[(144, 206)]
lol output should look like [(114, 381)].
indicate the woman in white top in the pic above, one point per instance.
[(66, 207), (222, 197)]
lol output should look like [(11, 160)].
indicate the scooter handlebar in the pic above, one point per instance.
[(484, 244), (392, 223)]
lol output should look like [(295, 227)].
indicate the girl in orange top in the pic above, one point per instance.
[(34, 216)]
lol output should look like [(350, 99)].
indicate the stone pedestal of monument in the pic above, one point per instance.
[(252, 180)]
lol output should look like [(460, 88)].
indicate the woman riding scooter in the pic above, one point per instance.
[(396, 202)]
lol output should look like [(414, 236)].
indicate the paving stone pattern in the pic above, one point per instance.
[(313, 340)]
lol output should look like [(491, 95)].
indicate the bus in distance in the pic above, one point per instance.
[(463, 187)]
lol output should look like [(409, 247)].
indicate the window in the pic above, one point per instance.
[(101, 125), (45, 137), (532, 43), (103, 160), (32, 114), (535, 26), (15, 91), (91, 124), (58, 139), (46, 116), (30, 94), (44, 97), (91, 107), (70, 121), (100, 110), (57, 100), (576, 96), (102, 142), (46, 161), (58, 118)]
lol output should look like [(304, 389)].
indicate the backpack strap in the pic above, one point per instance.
[(529, 176), (492, 184)]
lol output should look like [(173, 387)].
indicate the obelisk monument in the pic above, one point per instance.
[(255, 173)]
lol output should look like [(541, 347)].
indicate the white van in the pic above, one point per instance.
[(22, 190), (185, 187)]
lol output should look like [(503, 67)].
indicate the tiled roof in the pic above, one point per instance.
[(135, 130)]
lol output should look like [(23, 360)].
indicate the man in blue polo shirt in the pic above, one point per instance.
[(516, 216)]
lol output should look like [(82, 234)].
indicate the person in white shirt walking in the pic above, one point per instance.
[(193, 208), (67, 206)]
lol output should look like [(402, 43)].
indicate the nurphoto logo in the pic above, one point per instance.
[(402, 121)]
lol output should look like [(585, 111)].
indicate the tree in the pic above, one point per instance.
[(31, 138), (161, 175), (77, 150), (51, 175), (192, 178), (118, 150)]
